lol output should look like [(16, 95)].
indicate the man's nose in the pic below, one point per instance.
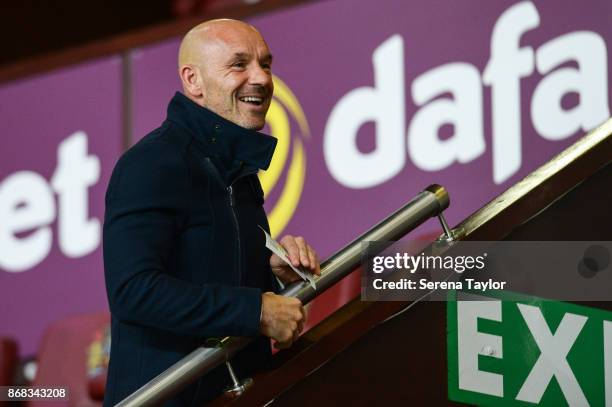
[(259, 75)]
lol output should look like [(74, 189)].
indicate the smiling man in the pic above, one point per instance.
[(184, 255)]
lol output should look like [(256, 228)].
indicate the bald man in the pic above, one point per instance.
[(184, 255)]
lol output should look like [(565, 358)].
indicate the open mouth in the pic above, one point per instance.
[(253, 100)]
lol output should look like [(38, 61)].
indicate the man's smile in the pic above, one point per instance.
[(254, 103), (255, 100)]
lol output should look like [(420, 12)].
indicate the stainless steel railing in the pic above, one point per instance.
[(427, 204)]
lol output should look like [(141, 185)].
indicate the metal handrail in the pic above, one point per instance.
[(427, 204)]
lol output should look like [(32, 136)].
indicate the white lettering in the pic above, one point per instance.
[(464, 111), (507, 65), (552, 360), (382, 104), (26, 204), (78, 235), (590, 81), (472, 343)]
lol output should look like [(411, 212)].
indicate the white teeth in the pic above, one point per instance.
[(251, 99)]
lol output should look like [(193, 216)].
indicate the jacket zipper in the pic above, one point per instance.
[(232, 203)]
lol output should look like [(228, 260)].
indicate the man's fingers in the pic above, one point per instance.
[(315, 267), (283, 319), (303, 248), (303, 312), (311, 256), (298, 245), (299, 252), (293, 252)]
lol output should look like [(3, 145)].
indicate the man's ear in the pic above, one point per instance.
[(191, 78)]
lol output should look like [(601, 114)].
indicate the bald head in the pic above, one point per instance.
[(208, 34), (225, 66)]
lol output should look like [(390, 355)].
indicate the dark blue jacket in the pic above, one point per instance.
[(184, 257)]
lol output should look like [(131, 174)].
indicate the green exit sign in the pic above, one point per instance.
[(528, 351)]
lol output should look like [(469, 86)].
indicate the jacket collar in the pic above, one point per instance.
[(224, 139)]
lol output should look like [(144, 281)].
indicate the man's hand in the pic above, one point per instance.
[(282, 318), (300, 254)]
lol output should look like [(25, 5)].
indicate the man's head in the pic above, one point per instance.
[(225, 66)]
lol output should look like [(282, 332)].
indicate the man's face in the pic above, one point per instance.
[(237, 76)]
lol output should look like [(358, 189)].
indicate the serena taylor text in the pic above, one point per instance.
[(424, 284)]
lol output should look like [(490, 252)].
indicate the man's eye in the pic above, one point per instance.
[(239, 64)]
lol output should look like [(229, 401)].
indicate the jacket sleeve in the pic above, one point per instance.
[(145, 203)]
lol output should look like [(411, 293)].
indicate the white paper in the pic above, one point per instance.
[(280, 251)]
